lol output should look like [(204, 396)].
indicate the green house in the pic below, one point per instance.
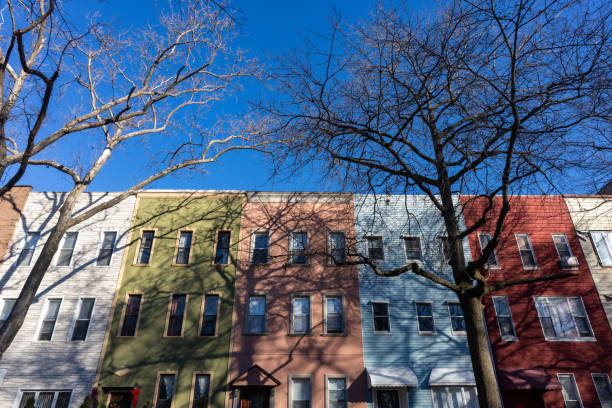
[(169, 338)]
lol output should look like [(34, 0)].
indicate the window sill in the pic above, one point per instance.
[(180, 265), (428, 334), (126, 337), (509, 338), (571, 339), (141, 265), (492, 267), (254, 334), (530, 268), (333, 334), (459, 334), (307, 334), (173, 337), (381, 333), (214, 336)]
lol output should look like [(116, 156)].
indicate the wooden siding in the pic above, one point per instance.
[(393, 217), (60, 363)]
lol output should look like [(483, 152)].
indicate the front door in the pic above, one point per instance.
[(122, 399), (255, 398)]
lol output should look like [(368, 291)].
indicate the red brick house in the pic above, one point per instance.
[(551, 342)]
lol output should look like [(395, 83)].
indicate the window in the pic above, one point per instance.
[(223, 247), (67, 249), (256, 315), (456, 316), (412, 245), (300, 316), (184, 248), (131, 314), (25, 257), (526, 251), (146, 247), (484, 238), (602, 241), (336, 393), (454, 397), (260, 248), (165, 391), (504, 318), (569, 391), (334, 316), (300, 393), (106, 248), (299, 246), (445, 244), (604, 389), (201, 390), (50, 317), (7, 306), (82, 319), (387, 399), (563, 318), (563, 249), (337, 247), (177, 314), (425, 318), (209, 318), (380, 314), (45, 399), (375, 248)]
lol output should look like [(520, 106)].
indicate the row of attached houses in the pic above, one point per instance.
[(225, 299)]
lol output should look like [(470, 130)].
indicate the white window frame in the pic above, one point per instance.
[(293, 377), (330, 260), (254, 233), (25, 242), (586, 314), (494, 253), (571, 375), (382, 246), (61, 247), (41, 318), (402, 393), (433, 318), (36, 392), (334, 295), (76, 315), (450, 319), (557, 249), (3, 303), (607, 377), (247, 314), (380, 332), (306, 296), (307, 258), (346, 388), (535, 259), (446, 388), (99, 248), (607, 242), (409, 260), (497, 315)]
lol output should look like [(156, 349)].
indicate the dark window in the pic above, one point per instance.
[(6, 310), (456, 316), (146, 245), (184, 248), (300, 307), (446, 248), (106, 248), (504, 318), (130, 319), (25, 257), (165, 391), (223, 246), (334, 316), (201, 391), (387, 398), (526, 251), (81, 325), (209, 320), (177, 312), (380, 312), (260, 248), (484, 239), (48, 323), (604, 389), (256, 315), (45, 399), (337, 246), (425, 317), (413, 248), (67, 249), (299, 246), (375, 248)]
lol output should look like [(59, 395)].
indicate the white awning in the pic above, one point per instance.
[(391, 377), (451, 376)]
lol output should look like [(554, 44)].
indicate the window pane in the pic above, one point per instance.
[(86, 308), (177, 310), (202, 388), (568, 389), (300, 391), (28, 250), (337, 245), (603, 246), (457, 322), (63, 399), (484, 241), (375, 248), (381, 316), (256, 315), (413, 248), (562, 246), (336, 392), (6, 308), (299, 245), (131, 315), (604, 390), (165, 391), (334, 322), (301, 314), (387, 399), (25, 397), (184, 248), (562, 318), (223, 245), (146, 244), (209, 323), (65, 255)]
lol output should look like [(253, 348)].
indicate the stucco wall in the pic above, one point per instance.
[(60, 363)]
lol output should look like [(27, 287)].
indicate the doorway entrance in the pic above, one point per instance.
[(255, 397)]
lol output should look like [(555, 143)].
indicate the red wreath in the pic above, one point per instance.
[(135, 393)]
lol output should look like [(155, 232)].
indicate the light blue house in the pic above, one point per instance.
[(414, 343)]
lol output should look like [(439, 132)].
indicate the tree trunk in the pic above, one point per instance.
[(482, 361)]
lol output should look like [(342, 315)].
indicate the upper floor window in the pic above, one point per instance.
[(46, 399), (300, 314), (563, 317), (106, 248), (563, 250), (604, 389), (130, 315), (484, 238), (183, 251), (299, 246), (146, 247), (454, 397), (223, 248), (425, 318), (526, 251), (300, 393), (256, 315), (201, 390), (50, 313), (334, 315), (260, 247), (337, 247), (380, 314), (7, 306), (67, 248), (176, 315), (80, 327), (25, 257), (412, 245), (456, 317), (336, 393), (602, 240), (446, 248), (209, 319), (569, 390), (165, 391), (504, 318), (375, 248)]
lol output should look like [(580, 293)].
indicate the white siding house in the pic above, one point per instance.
[(58, 347), (592, 218)]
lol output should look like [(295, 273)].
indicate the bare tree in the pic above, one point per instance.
[(480, 97), (146, 91)]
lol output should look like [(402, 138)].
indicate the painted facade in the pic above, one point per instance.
[(55, 354), (11, 206), (166, 342), (592, 217), (404, 346), (550, 339), (297, 334)]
